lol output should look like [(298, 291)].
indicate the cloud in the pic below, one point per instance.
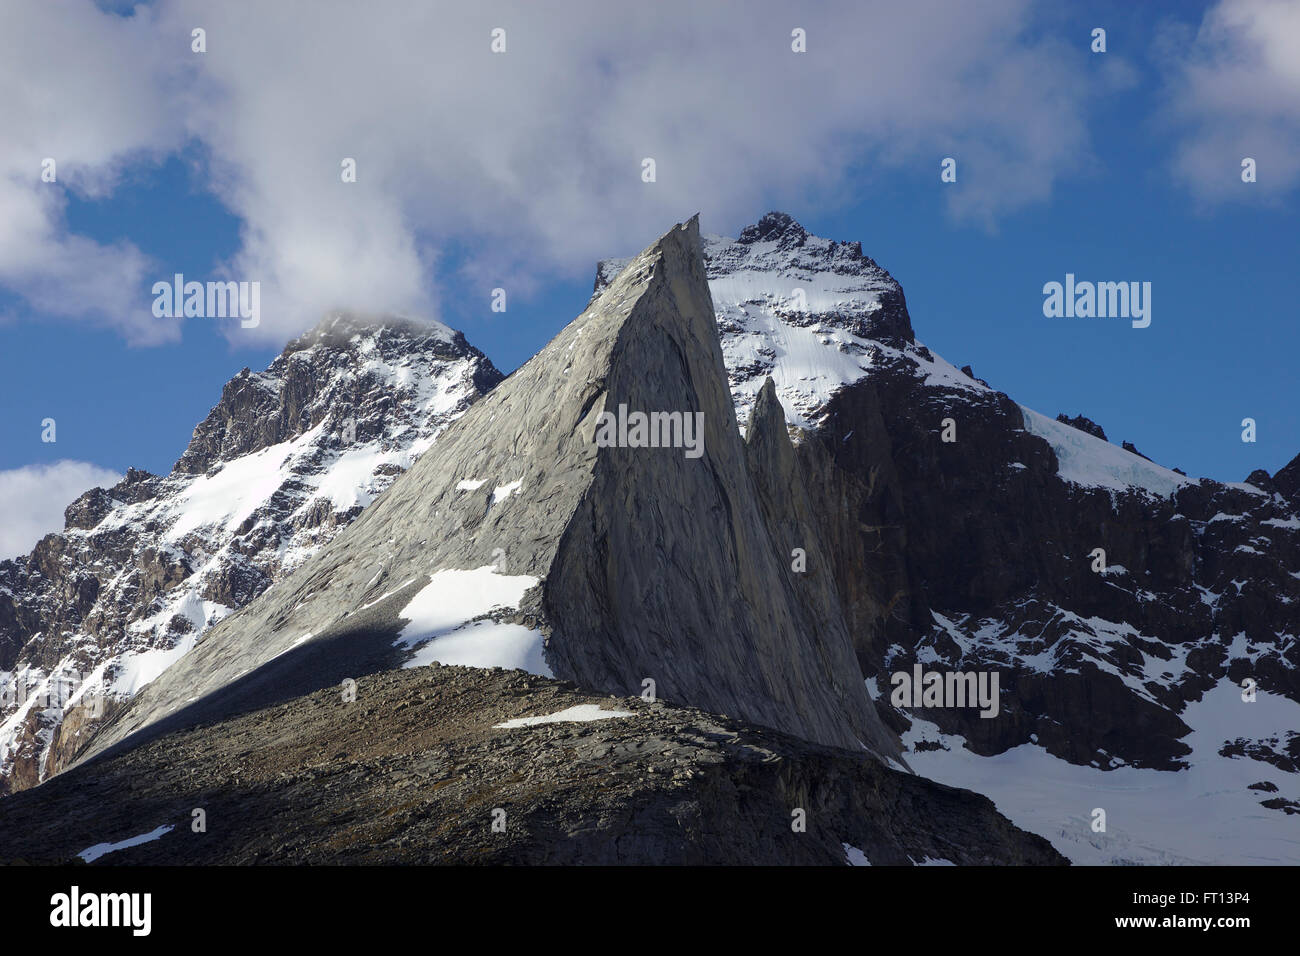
[(80, 89), (33, 498), (529, 162), (1233, 91)]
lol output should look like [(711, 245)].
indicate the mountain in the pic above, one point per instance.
[(522, 542), (142, 570), (540, 533), (852, 511), (1120, 688)]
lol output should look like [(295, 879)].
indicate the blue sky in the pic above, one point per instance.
[(1115, 166)]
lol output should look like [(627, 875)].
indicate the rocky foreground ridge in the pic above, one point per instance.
[(418, 770)]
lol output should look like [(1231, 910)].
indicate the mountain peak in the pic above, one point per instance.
[(524, 476), (333, 371), (285, 460), (834, 306), (343, 329), (774, 226)]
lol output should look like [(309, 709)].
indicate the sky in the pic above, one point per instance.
[(519, 169)]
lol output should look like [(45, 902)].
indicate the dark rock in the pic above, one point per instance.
[(1288, 807), (1128, 446), (1282, 751), (1261, 480), (1287, 481), (774, 227), (1083, 424), (414, 770), (88, 510)]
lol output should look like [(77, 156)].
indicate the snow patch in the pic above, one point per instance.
[(446, 625), (855, 856), (1086, 460), (93, 853), (1201, 815), (502, 492), (577, 714)]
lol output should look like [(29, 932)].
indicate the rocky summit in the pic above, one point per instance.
[(286, 459), (851, 515)]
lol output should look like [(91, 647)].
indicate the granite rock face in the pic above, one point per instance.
[(669, 569)]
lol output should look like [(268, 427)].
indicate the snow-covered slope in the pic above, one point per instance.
[(813, 314), (1093, 463), (817, 315), (1208, 814), (287, 458)]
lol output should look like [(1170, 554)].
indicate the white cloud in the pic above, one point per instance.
[(1234, 92), (33, 498), (80, 87), (529, 162)]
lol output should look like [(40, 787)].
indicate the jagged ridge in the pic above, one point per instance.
[(287, 458)]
